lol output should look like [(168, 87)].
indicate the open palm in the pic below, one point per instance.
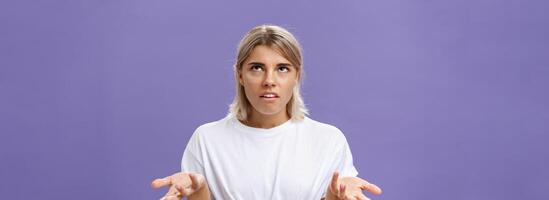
[(182, 184), (350, 188)]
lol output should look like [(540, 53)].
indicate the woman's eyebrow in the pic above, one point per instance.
[(279, 64), (255, 63), (285, 64)]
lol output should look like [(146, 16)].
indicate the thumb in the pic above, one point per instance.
[(197, 180), (334, 184)]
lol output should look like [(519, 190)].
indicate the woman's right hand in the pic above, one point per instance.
[(182, 184)]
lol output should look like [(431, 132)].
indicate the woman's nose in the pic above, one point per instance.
[(269, 80)]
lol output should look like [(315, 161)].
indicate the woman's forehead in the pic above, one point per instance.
[(266, 54)]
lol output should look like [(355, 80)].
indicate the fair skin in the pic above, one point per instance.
[(264, 71), (183, 184)]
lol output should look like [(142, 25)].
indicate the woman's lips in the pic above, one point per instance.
[(269, 95), (269, 98)]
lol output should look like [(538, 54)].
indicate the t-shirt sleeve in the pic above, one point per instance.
[(344, 160), (346, 166), (192, 156)]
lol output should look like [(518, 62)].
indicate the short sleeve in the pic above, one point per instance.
[(344, 161), (346, 166), (192, 156)]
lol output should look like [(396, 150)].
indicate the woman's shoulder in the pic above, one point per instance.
[(322, 128), (214, 125)]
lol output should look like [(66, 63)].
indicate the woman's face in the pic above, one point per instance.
[(268, 80)]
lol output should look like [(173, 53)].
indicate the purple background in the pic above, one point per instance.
[(438, 99)]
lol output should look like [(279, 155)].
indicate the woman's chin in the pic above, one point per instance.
[(269, 112)]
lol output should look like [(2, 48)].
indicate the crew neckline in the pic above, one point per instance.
[(262, 132)]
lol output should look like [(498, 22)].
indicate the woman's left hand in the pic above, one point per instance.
[(350, 188)]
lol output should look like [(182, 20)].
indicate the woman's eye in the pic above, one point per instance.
[(283, 69), (257, 68)]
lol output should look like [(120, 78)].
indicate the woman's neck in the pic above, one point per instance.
[(258, 120)]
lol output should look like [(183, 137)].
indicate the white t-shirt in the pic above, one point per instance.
[(294, 160)]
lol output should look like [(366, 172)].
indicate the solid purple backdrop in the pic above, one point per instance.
[(438, 99)]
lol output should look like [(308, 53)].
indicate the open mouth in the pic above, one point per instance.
[(269, 96)]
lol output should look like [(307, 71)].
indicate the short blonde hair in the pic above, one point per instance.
[(283, 41)]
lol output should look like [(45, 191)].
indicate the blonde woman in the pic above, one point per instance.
[(267, 147)]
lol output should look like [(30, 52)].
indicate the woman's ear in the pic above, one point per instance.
[(239, 77)]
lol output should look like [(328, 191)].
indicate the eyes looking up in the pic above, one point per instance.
[(256, 67)]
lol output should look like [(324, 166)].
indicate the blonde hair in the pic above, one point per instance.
[(283, 41)]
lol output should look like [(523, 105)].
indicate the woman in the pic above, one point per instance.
[(267, 148)]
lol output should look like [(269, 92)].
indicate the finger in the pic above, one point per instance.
[(185, 190), (361, 197), (161, 182), (194, 181), (180, 188), (349, 197), (335, 178), (172, 193), (374, 189), (171, 197), (342, 191)]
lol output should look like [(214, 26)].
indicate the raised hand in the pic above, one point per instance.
[(350, 188), (182, 184)]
